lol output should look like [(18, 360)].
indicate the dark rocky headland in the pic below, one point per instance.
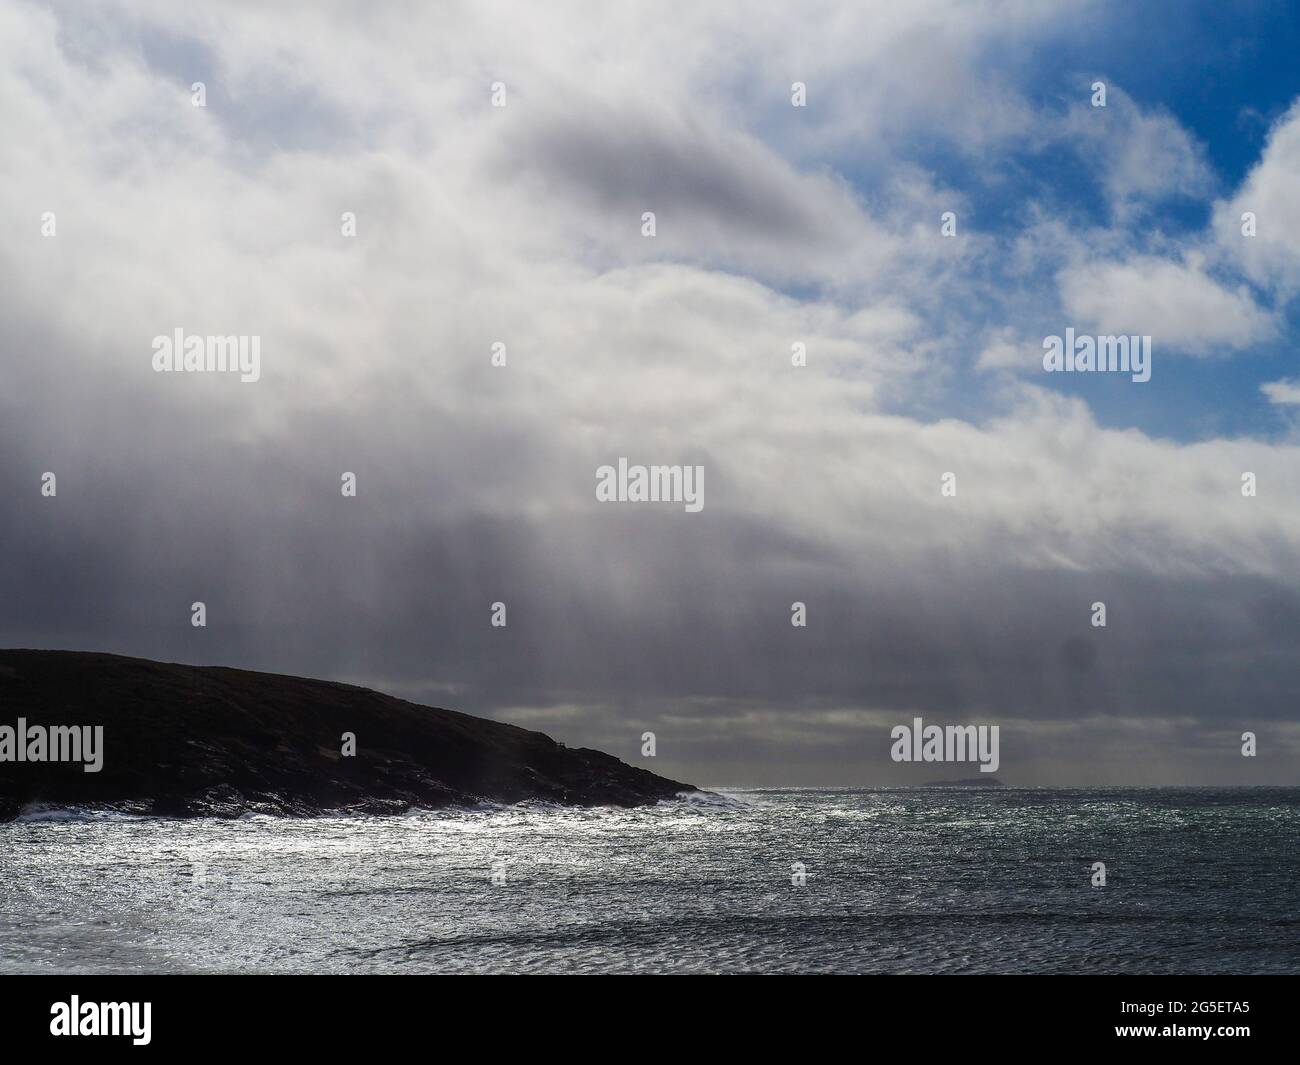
[(189, 741)]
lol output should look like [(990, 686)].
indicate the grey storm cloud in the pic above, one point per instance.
[(629, 159), (476, 483)]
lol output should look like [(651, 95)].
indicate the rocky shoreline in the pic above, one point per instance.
[(201, 741)]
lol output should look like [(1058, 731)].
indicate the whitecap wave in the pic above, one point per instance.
[(36, 813), (713, 799)]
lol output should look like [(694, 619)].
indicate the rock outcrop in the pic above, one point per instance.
[(187, 741)]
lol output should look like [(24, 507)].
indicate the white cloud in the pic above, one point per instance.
[(1271, 192), (1007, 350), (1177, 304), (1283, 392), (1142, 157)]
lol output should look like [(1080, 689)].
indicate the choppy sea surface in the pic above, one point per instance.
[(1198, 880)]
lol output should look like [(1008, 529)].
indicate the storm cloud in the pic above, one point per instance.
[(476, 483)]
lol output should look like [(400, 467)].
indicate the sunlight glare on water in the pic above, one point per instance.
[(1199, 880)]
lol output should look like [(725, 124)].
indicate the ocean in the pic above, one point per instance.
[(1198, 880)]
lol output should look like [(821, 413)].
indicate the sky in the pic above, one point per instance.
[(514, 215)]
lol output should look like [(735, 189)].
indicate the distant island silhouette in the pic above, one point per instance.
[(204, 741)]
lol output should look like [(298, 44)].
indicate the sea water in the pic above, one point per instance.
[(1197, 880)]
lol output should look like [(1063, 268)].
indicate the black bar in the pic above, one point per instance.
[(230, 1014)]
